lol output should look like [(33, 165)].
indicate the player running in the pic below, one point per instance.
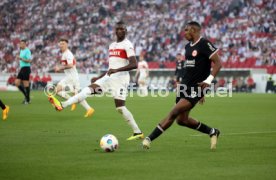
[(121, 60), (199, 54), (143, 73), (71, 80)]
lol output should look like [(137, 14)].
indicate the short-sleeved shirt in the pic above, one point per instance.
[(179, 69), (197, 64), (25, 54), (142, 67), (119, 52), (68, 58)]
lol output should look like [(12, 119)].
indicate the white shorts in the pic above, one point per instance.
[(115, 85), (69, 84), (142, 78)]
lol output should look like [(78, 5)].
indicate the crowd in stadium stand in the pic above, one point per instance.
[(244, 30)]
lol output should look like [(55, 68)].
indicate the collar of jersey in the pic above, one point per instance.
[(191, 44)]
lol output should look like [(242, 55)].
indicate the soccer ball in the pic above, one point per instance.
[(109, 143)]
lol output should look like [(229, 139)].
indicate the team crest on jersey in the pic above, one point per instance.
[(194, 53)]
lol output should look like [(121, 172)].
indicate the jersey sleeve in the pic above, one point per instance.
[(146, 65), (129, 50), (28, 55), (208, 49), (70, 58)]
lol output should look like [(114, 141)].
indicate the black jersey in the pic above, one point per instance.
[(197, 65), (179, 70)]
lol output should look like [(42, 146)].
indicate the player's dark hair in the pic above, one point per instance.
[(122, 23), (23, 40), (194, 23), (64, 39)]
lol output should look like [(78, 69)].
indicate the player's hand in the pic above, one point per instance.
[(201, 101), (111, 71), (203, 85), (94, 79), (57, 69)]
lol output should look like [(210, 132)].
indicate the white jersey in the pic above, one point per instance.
[(119, 52), (68, 58), (142, 67)]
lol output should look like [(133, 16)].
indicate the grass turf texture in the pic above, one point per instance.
[(36, 142)]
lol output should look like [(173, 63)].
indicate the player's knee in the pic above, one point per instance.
[(181, 122), (95, 89), (17, 83), (120, 109), (174, 113)]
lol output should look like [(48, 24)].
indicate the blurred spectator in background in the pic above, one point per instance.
[(171, 86), (11, 80), (221, 82), (244, 30), (36, 82), (250, 84), (270, 87)]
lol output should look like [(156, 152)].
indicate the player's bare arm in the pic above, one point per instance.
[(132, 65), (216, 68), (25, 60), (94, 79)]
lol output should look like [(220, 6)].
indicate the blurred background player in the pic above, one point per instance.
[(121, 60), (25, 71), (71, 79), (179, 69), (199, 54), (142, 75), (5, 110)]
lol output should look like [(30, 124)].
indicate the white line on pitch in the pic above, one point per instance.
[(242, 133)]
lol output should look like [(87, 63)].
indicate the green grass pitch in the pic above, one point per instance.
[(36, 142)]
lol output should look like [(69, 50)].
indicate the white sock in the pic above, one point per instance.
[(85, 92), (63, 94), (85, 105), (145, 90), (129, 118)]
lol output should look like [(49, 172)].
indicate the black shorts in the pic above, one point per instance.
[(192, 94), (24, 73)]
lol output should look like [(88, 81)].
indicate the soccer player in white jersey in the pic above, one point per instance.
[(116, 80), (143, 73), (71, 79)]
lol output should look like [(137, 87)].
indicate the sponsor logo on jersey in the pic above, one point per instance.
[(190, 63), (121, 53), (194, 53), (211, 47)]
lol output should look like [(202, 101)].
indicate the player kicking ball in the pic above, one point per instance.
[(71, 79), (199, 53), (116, 80)]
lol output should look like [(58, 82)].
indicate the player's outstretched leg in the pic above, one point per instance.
[(184, 120), (137, 133), (182, 106), (77, 98), (55, 102)]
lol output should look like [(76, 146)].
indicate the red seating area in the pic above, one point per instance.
[(248, 63)]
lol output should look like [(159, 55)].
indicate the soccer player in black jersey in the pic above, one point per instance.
[(198, 76), (179, 70)]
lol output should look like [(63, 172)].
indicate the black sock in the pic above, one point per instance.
[(28, 93), (204, 128), (2, 105), (156, 132), (21, 88)]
